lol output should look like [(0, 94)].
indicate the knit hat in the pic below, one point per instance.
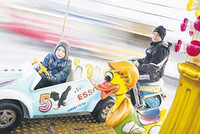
[(66, 45), (161, 31)]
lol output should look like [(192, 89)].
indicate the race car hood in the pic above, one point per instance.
[(7, 77)]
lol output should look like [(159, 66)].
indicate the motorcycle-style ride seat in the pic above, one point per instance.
[(149, 115), (157, 83), (152, 87)]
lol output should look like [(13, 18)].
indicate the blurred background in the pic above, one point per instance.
[(109, 29), (98, 30)]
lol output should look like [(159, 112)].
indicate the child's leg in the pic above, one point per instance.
[(136, 99)]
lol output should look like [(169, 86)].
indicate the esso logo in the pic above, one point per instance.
[(85, 94)]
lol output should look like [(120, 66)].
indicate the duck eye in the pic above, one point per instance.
[(108, 76)]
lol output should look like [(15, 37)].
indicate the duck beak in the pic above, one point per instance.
[(106, 89)]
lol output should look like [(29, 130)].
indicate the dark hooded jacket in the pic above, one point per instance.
[(59, 69), (155, 61)]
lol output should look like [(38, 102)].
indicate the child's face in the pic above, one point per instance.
[(60, 52), (156, 37)]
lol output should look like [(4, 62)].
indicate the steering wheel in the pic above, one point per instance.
[(89, 70), (42, 68)]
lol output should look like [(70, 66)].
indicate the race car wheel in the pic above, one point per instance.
[(10, 116), (101, 110)]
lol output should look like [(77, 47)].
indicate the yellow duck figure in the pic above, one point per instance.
[(121, 78)]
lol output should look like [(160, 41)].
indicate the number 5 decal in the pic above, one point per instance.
[(45, 102)]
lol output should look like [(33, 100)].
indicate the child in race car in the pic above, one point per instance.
[(57, 64)]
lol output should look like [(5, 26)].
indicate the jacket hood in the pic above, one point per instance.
[(66, 45), (167, 44)]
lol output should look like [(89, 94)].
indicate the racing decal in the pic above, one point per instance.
[(2, 84), (60, 100), (82, 94), (45, 102), (85, 94), (48, 100), (77, 106), (78, 89)]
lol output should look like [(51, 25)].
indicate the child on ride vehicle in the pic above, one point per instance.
[(151, 67), (57, 64)]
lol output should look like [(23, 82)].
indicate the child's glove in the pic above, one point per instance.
[(50, 78), (37, 68)]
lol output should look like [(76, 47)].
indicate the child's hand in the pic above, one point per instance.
[(136, 63)]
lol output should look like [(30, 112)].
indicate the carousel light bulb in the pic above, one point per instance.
[(193, 5)]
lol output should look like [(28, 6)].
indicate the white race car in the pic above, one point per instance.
[(18, 99)]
